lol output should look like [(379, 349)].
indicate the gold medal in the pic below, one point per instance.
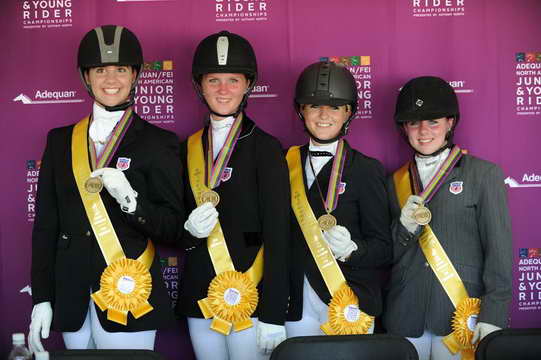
[(422, 215), (210, 196), (93, 184), (326, 222)]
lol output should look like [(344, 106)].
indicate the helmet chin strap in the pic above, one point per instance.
[(343, 131), (240, 109), (327, 141), (119, 107), (448, 144)]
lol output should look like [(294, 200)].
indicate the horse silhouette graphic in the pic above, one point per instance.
[(512, 183), (23, 98)]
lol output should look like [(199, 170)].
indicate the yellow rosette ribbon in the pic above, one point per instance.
[(345, 317), (125, 286), (463, 324), (232, 297)]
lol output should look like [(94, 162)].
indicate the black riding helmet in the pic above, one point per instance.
[(326, 83), (110, 45), (224, 52), (427, 98)]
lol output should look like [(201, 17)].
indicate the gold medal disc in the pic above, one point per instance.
[(210, 196), (326, 222), (93, 184), (422, 215)]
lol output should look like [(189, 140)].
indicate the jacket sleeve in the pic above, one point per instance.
[(496, 240), (45, 229), (374, 248), (274, 205), (160, 209)]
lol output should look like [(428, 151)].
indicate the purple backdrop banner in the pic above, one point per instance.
[(489, 51)]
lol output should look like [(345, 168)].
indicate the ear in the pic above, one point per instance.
[(450, 122)]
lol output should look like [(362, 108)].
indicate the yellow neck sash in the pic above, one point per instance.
[(232, 296), (466, 308), (345, 318), (125, 284)]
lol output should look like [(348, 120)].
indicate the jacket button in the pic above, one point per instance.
[(88, 233), (141, 220), (427, 264)]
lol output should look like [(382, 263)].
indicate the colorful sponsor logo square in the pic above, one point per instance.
[(168, 65), (33, 164), (324, 58), (345, 60), (520, 57), (172, 261), (522, 253), (30, 164), (534, 253), (530, 57), (365, 60), (157, 65), (355, 60), (538, 57), (334, 59)]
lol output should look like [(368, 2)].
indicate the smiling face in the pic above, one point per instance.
[(428, 136), (111, 85), (224, 92), (324, 121)]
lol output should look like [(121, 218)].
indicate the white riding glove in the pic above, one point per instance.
[(339, 240), (406, 216), (40, 325), (202, 220), (269, 336), (119, 187), (481, 330)]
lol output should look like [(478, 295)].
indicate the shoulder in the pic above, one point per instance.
[(60, 134), (260, 137), (480, 166), (155, 133), (364, 163)]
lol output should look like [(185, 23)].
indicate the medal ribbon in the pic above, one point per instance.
[(342, 295), (435, 254), (104, 231), (438, 179), (216, 244), (339, 160), (216, 168), (113, 143)]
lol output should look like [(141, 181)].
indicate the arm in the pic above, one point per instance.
[(44, 236), (274, 204), (496, 240), (160, 212), (45, 230), (374, 248)]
